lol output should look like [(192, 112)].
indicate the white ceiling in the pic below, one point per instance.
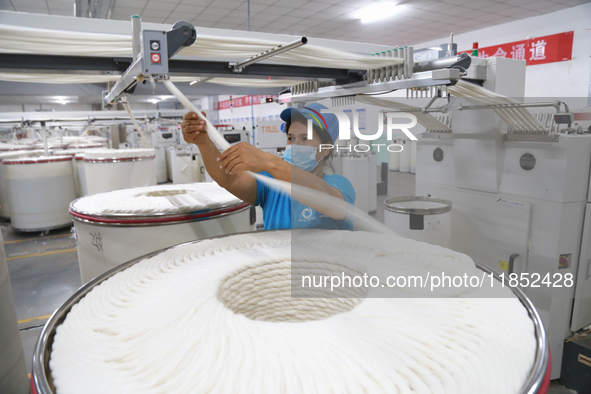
[(418, 20)]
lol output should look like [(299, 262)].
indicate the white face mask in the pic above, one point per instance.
[(301, 156)]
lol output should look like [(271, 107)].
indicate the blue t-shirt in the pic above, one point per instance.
[(280, 211)]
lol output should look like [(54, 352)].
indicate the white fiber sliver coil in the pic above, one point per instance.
[(169, 199), (218, 317), (97, 154)]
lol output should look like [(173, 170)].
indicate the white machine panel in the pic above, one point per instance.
[(582, 306), (557, 168), (235, 136), (476, 149), (485, 227), (546, 235), (268, 135), (165, 136), (523, 198), (505, 76), (435, 161)]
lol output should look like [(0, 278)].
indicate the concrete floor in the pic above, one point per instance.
[(44, 270), (44, 273)]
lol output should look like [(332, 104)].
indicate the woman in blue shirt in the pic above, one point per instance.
[(303, 165)]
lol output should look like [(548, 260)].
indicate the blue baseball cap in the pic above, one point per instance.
[(327, 122)]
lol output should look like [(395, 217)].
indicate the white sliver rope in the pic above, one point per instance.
[(16, 39), (520, 119), (146, 142), (159, 199), (426, 120), (211, 131), (183, 321), (323, 202)]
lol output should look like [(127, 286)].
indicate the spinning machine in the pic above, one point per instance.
[(515, 170)]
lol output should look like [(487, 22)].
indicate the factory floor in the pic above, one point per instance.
[(44, 270)]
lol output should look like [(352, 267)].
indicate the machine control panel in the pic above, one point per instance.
[(235, 136), (564, 118), (155, 52), (232, 137)]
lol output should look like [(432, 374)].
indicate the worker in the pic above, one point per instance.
[(303, 164)]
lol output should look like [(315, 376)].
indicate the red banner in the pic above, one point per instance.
[(539, 50), (243, 101)]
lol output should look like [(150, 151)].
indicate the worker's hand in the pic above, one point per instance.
[(244, 157), (194, 129)]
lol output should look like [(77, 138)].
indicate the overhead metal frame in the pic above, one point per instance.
[(213, 69), (238, 67), (422, 79), (439, 72), (156, 47)]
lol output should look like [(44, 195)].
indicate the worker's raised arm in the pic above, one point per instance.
[(306, 188), (242, 185)]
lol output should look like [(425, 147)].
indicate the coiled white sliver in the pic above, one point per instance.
[(118, 153), (184, 322), (20, 153), (167, 199), (37, 158)]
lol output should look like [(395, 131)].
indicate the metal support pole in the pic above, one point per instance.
[(503, 106), (44, 131), (136, 28), (267, 54)]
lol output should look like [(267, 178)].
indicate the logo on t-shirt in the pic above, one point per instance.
[(307, 215)]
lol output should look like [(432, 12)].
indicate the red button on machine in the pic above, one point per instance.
[(155, 58)]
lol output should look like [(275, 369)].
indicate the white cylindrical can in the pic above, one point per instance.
[(77, 155), (198, 168), (425, 219), (183, 170), (117, 226), (355, 169), (4, 204), (161, 168), (373, 182), (394, 158), (113, 169), (9, 147), (413, 157), (40, 190), (80, 180), (96, 145), (13, 369), (168, 151), (259, 216), (405, 156)]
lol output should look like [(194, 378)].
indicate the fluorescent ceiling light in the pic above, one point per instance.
[(376, 11)]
